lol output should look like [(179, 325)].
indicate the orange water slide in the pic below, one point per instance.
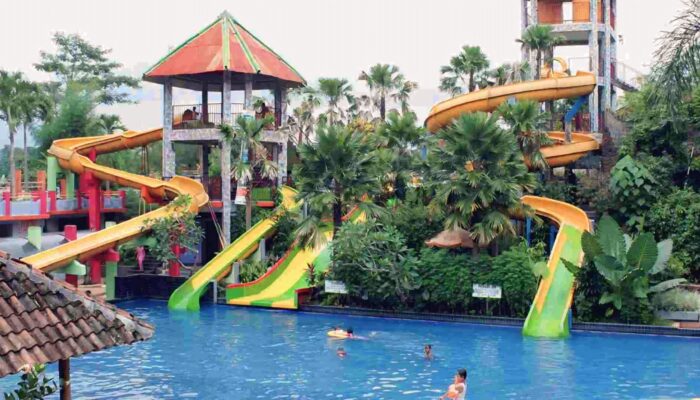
[(72, 154)]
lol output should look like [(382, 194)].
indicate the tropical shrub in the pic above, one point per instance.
[(633, 190), (516, 271), (629, 266), (677, 300), (412, 219), (177, 229), (375, 264), (33, 385), (446, 279), (677, 216), (253, 269)]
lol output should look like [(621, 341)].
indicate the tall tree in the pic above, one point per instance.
[(13, 88), (247, 134), (477, 175), (403, 95), (527, 123), (462, 70), (34, 104), (383, 80), (304, 116), (336, 170), (78, 61), (542, 40), (75, 117), (334, 90), (678, 57), (399, 143)]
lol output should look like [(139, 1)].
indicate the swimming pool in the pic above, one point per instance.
[(239, 353)]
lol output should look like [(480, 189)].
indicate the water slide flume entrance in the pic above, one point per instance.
[(549, 310), (77, 155)]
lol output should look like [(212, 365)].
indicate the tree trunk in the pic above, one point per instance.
[(337, 215), (471, 81), (382, 107), (25, 166), (538, 71)]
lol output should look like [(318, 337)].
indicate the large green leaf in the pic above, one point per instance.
[(591, 246), (611, 269), (610, 237), (666, 285), (664, 248), (573, 268), (643, 252)]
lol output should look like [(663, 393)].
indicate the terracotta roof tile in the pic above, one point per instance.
[(43, 320)]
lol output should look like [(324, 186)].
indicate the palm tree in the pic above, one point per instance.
[(247, 134), (12, 91), (501, 74), (110, 123), (541, 39), (304, 117), (477, 175), (527, 123), (335, 170), (334, 90), (34, 104), (462, 69), (678, 57), (403, 95), (399, 140), (383, 80), (519, 72)]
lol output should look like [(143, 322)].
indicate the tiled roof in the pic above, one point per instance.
[(224, 45), (43, 320)]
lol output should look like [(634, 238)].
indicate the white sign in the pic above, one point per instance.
[(486, 291), (336, 287)]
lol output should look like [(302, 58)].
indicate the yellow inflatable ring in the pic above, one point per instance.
[(338, 334)]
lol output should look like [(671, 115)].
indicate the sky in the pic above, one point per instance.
[(320, 38)]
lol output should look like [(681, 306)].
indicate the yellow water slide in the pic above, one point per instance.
[(186, 297), (548, 314), (72, 154)]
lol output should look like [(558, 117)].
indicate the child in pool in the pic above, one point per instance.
[(341, 352), (457, 390)]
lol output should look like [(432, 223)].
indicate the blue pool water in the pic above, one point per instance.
[(237, 353)]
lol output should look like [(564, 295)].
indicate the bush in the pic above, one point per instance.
[(412, 220), (677, 300), (253, 269), (512, 270), (375, 264), (633, 190), (677, 217), (446, 280)]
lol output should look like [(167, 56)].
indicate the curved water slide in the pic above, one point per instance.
[(186, 297), (78, 155), (549, 310), (280, 286)]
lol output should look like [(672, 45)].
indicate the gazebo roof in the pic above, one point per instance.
[(223, 45)]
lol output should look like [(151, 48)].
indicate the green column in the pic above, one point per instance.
[(51, 173), (70, 185), (110, 271), (34, 236)]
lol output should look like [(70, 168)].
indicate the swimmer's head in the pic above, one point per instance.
[(349, 331), (461, 375)]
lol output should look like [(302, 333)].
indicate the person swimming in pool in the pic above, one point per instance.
[(457, 390), (428, 351), (341, 352)]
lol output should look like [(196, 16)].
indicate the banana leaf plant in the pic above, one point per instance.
[(630, 265)]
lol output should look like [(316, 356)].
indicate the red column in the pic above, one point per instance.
[(94, 198), (70, 232), (95, 265), (174, 269), (52, 201), (7, 198), (122, 196), (42, 201)]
